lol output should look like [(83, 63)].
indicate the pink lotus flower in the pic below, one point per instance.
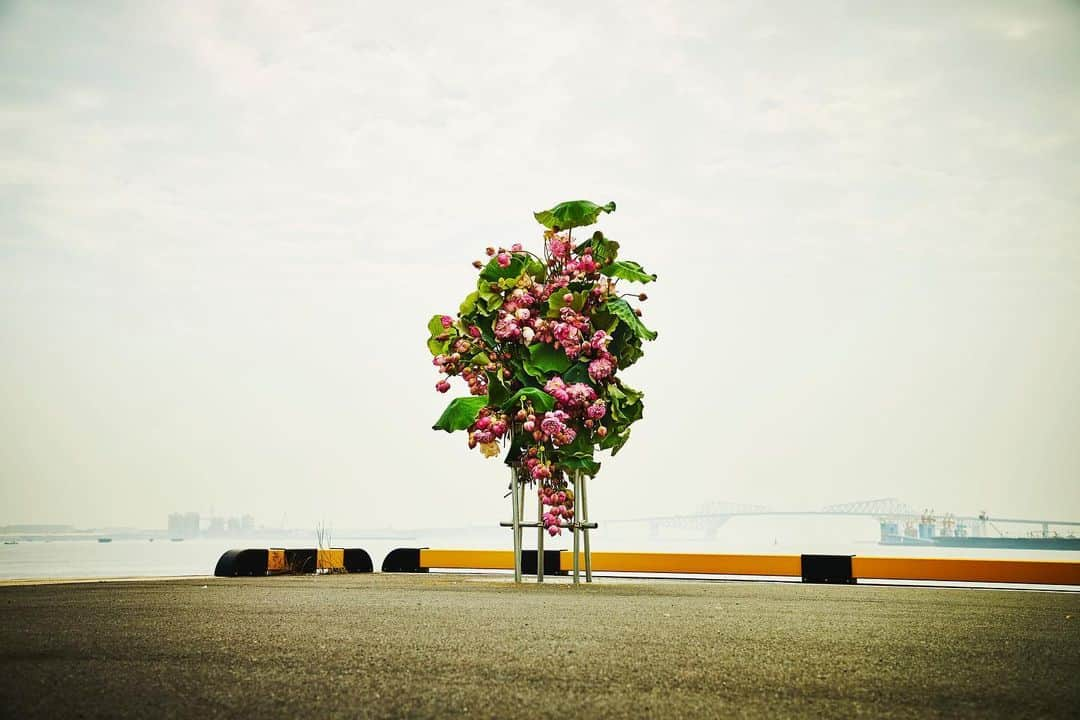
[(503, 259), (600, 369), (446, 321), (551, 425), (558, 248)]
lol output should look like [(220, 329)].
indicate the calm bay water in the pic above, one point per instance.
[(142, 558)]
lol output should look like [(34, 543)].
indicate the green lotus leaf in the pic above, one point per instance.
[(615, 441), (557, 303), (435, 326), (548, 358), (572, 214), (460, 413), (626, 346), (627, 270), (493, 272), (578, 372), (541, 401), (498, 392), (468, 305), (586, 465), (622, 310)]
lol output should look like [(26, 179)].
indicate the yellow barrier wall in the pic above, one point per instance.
[(1040, 572), (333, 559), (870, 568), (696, 563), (275, 560)]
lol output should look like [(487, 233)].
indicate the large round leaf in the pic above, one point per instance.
[(572, 214), (460, 413)]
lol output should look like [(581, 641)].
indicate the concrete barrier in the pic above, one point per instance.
[(254, 562)]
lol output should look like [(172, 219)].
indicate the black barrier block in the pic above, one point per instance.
[(236, 563), (551, 562), (300, 561), (357, 561), (827, 569), (403, 560)]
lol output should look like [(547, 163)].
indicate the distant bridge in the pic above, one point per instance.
[(711, 517)]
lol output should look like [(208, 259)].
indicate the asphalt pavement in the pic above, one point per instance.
[(452, 645)]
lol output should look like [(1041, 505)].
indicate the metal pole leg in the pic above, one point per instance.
[(516, 525), (577, 531), (521, 516), (539, 535), (584, 503)]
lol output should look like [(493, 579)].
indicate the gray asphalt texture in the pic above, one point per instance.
[(444, 646)]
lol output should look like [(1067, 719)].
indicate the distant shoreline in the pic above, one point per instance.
[(29, 582)]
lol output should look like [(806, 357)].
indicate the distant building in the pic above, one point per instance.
[(184, 525), (233, 524), (191, 524), (247, 523)]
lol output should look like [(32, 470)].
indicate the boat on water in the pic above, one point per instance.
[(1012, 543), (177, 539), (104, 540), (11, 542), (957, 534)]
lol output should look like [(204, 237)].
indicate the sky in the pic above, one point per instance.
[(224, 227)]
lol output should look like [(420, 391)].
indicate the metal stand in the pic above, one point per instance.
[(577, 531), (539, 540), (582, 501), (516, 524), (580, 527)]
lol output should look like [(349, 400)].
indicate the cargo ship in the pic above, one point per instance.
[(957, 534)]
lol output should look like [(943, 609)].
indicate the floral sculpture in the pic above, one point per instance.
[(539, 343)]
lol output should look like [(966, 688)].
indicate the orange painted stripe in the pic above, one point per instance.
[(1042, 572), (468, 559), (687, 563), (877, 568)]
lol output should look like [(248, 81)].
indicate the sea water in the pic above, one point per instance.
[(742, 535)]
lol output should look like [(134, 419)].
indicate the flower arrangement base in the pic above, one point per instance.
[(579, 526)]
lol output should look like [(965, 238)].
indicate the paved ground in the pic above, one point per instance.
[(436, 646)]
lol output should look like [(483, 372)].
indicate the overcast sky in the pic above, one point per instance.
[(224, 226)]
